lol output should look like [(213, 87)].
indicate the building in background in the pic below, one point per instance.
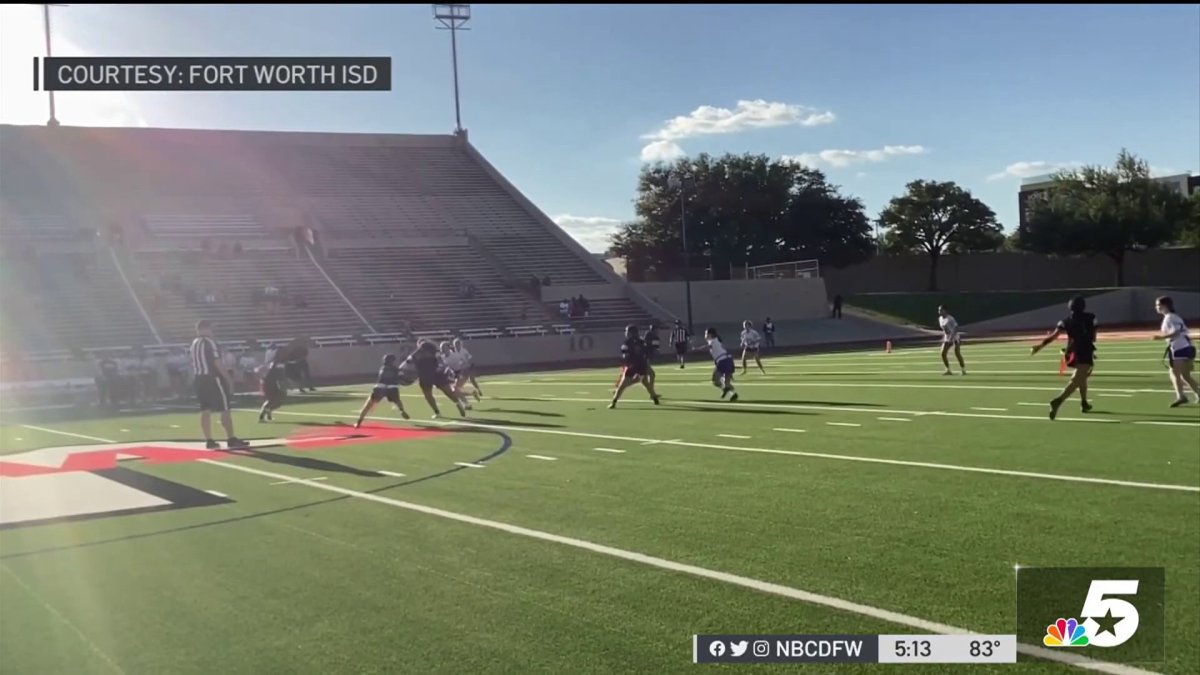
[(1183, 183)]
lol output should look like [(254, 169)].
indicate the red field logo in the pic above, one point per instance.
[(92, 481)]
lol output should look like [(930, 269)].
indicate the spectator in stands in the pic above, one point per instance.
[(210, 298), (108, 383), (535, 284), (545, 279), (564, 308), (585, 307), (837, 306)]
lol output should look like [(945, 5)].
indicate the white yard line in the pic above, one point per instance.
[(799, 453), (1195, 425), (844, 385), (68, 433), (214, 493), (470, 465), (393, 474), (839, 604), (843, 424), (989, 409), (287, 482), (543, 458), (790, 431), (895, 419), (612, 450), (736, 436)]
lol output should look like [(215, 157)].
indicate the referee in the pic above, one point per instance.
[(213, 386)]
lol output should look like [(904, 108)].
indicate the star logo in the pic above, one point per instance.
[(1107, 623)]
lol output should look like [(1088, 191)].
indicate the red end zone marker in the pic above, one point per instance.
[(324, 437)]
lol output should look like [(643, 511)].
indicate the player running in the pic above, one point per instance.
[(680, 338), (469, 371), (387, 385), (751, 342), (950, 338), (723, 366), (272, 389), (635, 366), (1080, 327), (1181, 353), (432, 373)]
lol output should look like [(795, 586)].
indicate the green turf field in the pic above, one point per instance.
[(575, 539)]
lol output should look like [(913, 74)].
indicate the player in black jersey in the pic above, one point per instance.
[(635, 365), (1080, 327), (391, 378), (431, 372), (680, 338), (272, 389)]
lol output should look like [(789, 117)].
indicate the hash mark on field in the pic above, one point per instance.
[(174, 426), (214, 493), (989, 409), (543, 457), (733, 436), (790, 431), (297, 480), (612, 450), (1039, 405), (1115, 395), (843, 424), (470, 465), (920, 624), (895, 419), (393, 474), (673, 440), (18, 439), (124, 431), (1172, 424)]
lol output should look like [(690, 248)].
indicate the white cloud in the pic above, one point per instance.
[(1029, 169), (21, 39), (840, 159), (709, 120), (861, 174), (662, 151), (592, 232)]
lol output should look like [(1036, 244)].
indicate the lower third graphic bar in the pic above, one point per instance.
[(854, 649)]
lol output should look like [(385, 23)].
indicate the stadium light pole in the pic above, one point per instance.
[(453, 18), (677, 183), (53, 121)]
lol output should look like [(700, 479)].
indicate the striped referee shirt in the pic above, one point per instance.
[(679, 335), (205, 356)]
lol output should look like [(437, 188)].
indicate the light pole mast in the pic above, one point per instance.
[(677, 182), (53, 121), (453, 18)]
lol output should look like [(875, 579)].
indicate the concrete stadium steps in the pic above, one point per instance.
[(422, 286), (81, 302), (607, 315), (237, 278)]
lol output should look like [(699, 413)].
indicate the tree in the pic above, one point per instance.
[(936, 218), (1096, 210), (1190, 236), (740, 210)]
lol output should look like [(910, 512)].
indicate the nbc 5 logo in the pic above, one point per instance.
[(1109, 621)]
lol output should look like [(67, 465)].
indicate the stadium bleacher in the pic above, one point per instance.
[(403, 223)]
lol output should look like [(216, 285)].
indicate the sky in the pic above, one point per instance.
[(569, 101)]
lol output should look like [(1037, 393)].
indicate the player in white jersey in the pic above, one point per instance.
[(751, 342), (456, 370), (1180, 351), (469, 372), (950, 338), (723, 366)]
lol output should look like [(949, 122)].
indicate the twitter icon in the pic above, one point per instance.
[(737, 648)]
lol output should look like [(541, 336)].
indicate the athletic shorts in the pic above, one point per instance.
[(212, 392), (750, 350), (635, 369), (1075, 359), (1183, 353), (437, 379), (274, 395), (956, 340), (724, 367), (681, 348), (392, 394)]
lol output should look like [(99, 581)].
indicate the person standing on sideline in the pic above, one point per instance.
[(213, 386), (680, 338), (837, 306), (769, 332)]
